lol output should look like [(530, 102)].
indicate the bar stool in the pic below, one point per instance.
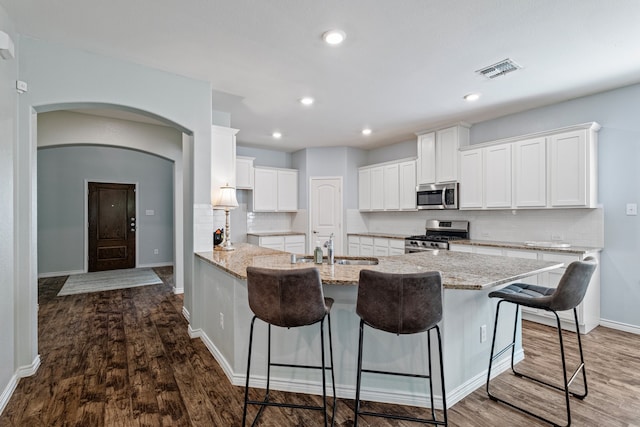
[(289, 299), (567, 296), (400, 304)]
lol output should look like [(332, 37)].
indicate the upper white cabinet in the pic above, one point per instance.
[(387, 186), (244, 173), (530, 173), (572, 169), (555, 169), (471, 185), (438, 154), (407, 185), (275, 190)]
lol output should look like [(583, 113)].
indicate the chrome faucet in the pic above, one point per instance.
[(329, 245)]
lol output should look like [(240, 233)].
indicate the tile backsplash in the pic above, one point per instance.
[(580, 227)]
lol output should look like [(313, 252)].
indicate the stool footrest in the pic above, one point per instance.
[(285, 365), (554, 386), (501, 352), (399, 374), (284, 405), (403, 418)]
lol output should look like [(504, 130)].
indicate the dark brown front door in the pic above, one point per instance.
[(112, 226)]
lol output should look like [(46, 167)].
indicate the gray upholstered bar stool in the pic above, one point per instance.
[(567, 296), (289, 299), (400, 304)]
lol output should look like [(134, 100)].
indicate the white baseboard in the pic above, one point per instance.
[(178, 291), (157, 264), (23, 371), (186, 315), (625, 327), (347, 392), (60, 273)]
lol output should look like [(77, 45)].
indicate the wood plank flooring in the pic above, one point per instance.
[(124, 358)]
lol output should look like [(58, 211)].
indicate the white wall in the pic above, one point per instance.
[(8, 137), (63, 78)]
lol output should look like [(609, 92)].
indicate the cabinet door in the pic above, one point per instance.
[(244, 173), (265, 192), (366, 250), (364, 189), (287, 190), (380, 247), (427, 158), (408, 185), (530, 172), (295, 244), (391, 186), (377, 188), (471, 179), (396, 247), (568, 168), (272, 242), (447, 155), (354, 249), (497, 176)]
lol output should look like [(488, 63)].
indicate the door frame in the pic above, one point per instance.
[(86, 217), (311, 242)]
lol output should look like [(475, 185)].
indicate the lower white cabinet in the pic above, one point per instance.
[(375, 247), (588, 311), (290, 243)]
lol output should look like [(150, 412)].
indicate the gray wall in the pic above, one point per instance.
[(62, 172), (618, 111), (266, 157), (8, 136), (389, 153)]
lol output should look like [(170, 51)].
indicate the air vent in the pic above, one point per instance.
[(499, 69)]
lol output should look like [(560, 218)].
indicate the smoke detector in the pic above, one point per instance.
[(498, 69)]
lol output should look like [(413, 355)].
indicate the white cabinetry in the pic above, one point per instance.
[(530, 173), (387, 186), (471, 179), (294, 243), (391, 183), (375, 246), (588, 310), (275, 190), (572, 169), (555, 169), (244, 173), (497, 176), (438, 154)]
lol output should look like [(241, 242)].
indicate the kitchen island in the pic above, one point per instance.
[(221, 318)]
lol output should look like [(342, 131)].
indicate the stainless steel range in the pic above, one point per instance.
[(437, 235)]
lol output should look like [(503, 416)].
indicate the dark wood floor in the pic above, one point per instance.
[(124, 358)]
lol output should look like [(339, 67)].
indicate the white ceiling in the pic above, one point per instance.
[(404, 66)]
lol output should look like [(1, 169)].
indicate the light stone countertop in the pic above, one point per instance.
[(275, 233), (459, 270), (578, 250)]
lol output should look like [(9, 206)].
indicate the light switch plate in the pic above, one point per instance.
[(149, 212), (632, 209)]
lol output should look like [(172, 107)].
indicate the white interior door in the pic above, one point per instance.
[(325, 212)]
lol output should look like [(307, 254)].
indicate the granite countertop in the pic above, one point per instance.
[(578, 250), (380, 234), (459, 270), (275, 233)]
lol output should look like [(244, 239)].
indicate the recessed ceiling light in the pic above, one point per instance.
[(276, 135), (334, 37), (307, 100), (366, 131), (472, 97)]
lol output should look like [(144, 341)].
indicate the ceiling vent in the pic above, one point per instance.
[(499, 69)]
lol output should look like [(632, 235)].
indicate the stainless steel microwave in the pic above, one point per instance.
[(437, 196)]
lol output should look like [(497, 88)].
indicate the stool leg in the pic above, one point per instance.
[(333, 380), (493, 345), (433, 409), (246, 388), (359, 377), (564, 370), (584, 373), (444, 393), (324, 377)]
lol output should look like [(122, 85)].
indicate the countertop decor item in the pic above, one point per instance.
[(227, 201)]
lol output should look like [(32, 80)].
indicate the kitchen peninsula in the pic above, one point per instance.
[(222, 316)]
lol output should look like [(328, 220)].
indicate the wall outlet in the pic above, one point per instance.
[(483, 333), (632, 209), (155, 252), (222, 320)]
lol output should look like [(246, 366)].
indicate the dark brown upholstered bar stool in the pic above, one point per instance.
[(289, 299), (400, 304), (567, 296)]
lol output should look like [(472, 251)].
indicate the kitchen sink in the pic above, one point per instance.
[(547, 244)]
